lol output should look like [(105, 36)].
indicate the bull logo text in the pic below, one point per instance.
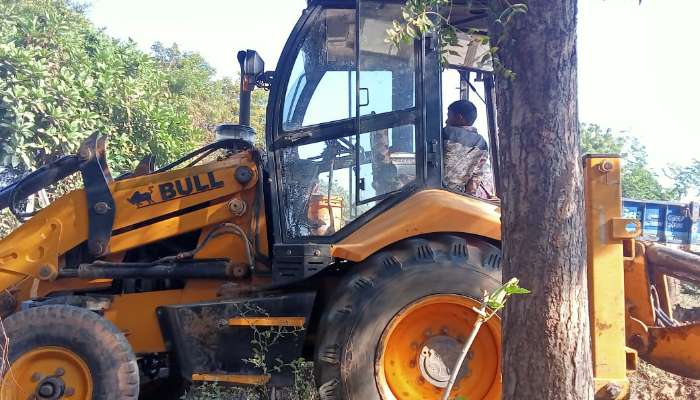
[(176, 189)]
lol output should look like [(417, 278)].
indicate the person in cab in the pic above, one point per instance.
[(466, 153)]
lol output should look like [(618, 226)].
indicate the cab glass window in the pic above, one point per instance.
[(350, 168), (321, 86)]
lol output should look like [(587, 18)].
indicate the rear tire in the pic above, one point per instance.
[(61, 349), (367, 348)]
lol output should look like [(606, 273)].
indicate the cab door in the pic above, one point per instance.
[(346, 125)]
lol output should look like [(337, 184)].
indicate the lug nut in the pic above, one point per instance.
[(69, 392), (59, 372), (36, 377)]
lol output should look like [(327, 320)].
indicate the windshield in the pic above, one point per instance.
[(350, 165), (321, 86)]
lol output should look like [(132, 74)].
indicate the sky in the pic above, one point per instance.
[(639, 72)]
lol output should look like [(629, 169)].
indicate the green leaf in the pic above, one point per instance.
[(516, 290), (410, 31)]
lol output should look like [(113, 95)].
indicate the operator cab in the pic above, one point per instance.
[(354, 124)]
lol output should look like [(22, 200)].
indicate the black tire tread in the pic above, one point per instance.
[(111, 355), (352, 294)]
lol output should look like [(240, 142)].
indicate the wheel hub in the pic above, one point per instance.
[(438, 357), (420, 346), (47, 373), (50, 388)]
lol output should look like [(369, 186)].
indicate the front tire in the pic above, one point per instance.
[(399, 321), (59, 351)]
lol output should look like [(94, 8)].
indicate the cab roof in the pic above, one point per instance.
[(465, 14)]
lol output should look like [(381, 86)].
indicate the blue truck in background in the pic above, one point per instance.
[(672, 223)]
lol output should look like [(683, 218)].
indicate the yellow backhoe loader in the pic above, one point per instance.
[(339, 240)]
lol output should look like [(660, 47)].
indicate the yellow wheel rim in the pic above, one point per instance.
[(47, 373), (420, 345)]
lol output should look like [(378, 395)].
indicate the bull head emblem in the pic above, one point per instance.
[(138, 198)]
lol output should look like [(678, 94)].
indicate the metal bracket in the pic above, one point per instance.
[(296, 262), (96, 178), (626, 228)]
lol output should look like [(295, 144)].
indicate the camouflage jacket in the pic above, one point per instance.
[(466, 158)]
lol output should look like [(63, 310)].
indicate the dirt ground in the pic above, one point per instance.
[(647, 383), (651, 383)]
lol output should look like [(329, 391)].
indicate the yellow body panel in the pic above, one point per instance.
[(606, 275), (31, 256), (39, 242), (135, 313), (43, 241), (428, 211)]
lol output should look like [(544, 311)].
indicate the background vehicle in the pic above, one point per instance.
[(338, 240)]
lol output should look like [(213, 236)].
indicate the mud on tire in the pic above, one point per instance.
[(377, 289)]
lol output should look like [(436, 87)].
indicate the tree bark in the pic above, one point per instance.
[(546, 333)]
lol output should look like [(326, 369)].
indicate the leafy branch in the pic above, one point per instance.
[(490, 305), (420, 17), (262, 342)]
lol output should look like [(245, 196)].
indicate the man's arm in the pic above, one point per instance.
[(477, 175)]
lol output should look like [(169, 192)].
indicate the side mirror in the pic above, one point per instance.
[(251, 63)]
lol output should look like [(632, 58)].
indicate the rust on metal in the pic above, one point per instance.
[(673, 349), (296, 322), (239, 379)]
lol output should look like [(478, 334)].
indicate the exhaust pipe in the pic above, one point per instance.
[(252, 69), (246, 89), (252, 66)]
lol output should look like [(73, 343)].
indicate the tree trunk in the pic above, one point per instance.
[(546, 333)]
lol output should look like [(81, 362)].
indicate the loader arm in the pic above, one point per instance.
[(627, 290), (144, 209), (652, 331)]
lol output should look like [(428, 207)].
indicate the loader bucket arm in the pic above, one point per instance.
[(670, 347), (607, 233), (37, 180), (628, 296)]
